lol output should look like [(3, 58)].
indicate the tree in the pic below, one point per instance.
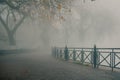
[(15, 11), (9, 17), (42, 9)]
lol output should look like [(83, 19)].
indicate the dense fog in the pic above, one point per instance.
[(88, 23), (85, 24)]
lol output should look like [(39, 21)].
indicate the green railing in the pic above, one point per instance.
[(109, 57)]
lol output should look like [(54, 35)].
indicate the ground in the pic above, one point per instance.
[(37, 66)]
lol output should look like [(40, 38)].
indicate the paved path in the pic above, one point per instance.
[(36, 66)]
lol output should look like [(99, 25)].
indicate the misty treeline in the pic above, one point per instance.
[(58, 21)]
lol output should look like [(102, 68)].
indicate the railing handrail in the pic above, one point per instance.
[(86, 48)]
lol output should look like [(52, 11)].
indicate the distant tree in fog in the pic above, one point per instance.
[(11, 20), (13, 13)]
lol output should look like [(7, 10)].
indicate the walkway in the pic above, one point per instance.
[(36, 66)]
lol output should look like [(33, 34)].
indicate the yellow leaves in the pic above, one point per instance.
[(62, 17), (59, 7), (69, 10)]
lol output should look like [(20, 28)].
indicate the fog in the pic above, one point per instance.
[(88, 23), (93, 23)]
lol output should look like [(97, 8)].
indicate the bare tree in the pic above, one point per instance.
[(15, 11), (11, 21)]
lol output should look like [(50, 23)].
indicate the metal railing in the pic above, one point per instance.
[(109, 57)]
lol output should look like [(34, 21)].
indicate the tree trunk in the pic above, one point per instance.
[(11, 39), (11, 33)]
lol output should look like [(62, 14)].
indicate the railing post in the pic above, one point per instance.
[(60, 53), (57, 53), (98, 59), (74, 55), (112, 59), (95, 57), (82, 56), (66, 54), (92, 57)]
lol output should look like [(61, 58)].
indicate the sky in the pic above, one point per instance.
[(88, 23), (111, 8), (92, 23)]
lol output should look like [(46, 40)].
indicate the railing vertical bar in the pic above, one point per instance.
[(74, 55), (112, 59), (82, 56), (91, 57), (98, 60)]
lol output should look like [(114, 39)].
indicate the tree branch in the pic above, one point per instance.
[(2, 10), (4, 24), (18, 24), (9, 3), (7, 17)]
